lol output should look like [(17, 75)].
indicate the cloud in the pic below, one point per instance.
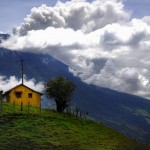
[(75, 14), (98, 41), (8, 83)]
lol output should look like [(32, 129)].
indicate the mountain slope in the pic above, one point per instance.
[(52, 130), (126, 113), (4, 37)]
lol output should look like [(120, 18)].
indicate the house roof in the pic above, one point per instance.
[(21, 85)]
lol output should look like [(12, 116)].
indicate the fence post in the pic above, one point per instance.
[(40, 107), (1, 110), (21, 106), (14, 105), (28, 107)]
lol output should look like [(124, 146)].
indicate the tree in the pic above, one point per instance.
[(61, 90)]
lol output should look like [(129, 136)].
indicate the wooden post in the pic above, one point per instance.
[(22, 71), (73, 112), (80, 114), (1, 110), (40, 107), (28, 107), (14, 105), (21, 106)]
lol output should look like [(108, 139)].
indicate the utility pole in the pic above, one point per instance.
[(22, 70)]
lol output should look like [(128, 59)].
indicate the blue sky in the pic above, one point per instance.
[(12, 12), (140, 8)]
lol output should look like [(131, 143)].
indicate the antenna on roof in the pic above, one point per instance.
[(22, 70)]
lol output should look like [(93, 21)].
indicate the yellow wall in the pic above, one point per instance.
[(34, 101)]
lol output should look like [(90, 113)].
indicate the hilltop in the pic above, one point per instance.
[(54, 131)]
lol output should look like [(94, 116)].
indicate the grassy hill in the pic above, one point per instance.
[(54, 131)]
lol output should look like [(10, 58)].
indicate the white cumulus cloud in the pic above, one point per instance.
[(75, 14), (8, 83), (98, 40)]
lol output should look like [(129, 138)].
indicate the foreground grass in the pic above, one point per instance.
[(55, 131)]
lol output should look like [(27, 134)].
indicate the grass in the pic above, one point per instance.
[(55, 131)]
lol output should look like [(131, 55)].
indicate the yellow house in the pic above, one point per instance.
[(24, 95)]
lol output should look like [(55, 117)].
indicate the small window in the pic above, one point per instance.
[(18, 94), (30, 95)]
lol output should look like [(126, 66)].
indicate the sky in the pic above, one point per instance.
[(104, 42), (12, 12)]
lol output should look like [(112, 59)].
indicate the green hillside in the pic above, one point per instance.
[(54, 131)]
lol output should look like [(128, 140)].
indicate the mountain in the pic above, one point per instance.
[(126, 113), (4, 37)]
